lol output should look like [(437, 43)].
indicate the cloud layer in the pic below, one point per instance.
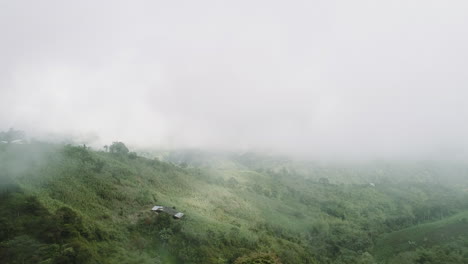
[(323, 78)]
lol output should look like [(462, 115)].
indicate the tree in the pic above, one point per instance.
[(12, 135), (118, 148), (324, 181)]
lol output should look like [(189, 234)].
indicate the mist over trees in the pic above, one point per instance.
[(63, 203), (284, 132), (12, 135)]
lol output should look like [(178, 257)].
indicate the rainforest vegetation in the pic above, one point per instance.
[(71, 204)]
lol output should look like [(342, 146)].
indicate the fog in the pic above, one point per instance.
[(360, 79)]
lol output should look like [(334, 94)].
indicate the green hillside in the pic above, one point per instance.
[(443, 241), (70, 204)]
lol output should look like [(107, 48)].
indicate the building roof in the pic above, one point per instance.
[(157, 207), (168, 210), (179, 215)]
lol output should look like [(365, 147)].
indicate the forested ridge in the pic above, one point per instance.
[(71, 204)]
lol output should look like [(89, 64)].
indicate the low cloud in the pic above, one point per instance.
[(329, 79)]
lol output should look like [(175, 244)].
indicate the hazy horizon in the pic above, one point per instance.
[(344, 79)]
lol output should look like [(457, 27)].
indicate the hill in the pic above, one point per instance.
[(443, 241), (238, 208)]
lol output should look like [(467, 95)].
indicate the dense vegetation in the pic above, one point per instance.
[(70, 204)]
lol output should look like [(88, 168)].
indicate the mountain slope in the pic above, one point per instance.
[(236, 210), (449, 233)]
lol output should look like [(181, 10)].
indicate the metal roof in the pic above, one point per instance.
[(179, 215), (168, 210), (157, 207)]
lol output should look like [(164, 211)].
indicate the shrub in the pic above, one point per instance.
[(258, 258), (118, 148)]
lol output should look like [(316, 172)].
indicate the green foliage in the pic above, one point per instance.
[(12, 135), (118, 148), (31, 234), (258, 258), (69, 204), (449, 233), (132, 155)]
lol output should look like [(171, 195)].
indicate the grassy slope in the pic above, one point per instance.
[(113, 193), (425, 235), (232, 208)]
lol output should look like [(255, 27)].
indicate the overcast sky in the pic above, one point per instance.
[(325, 78)]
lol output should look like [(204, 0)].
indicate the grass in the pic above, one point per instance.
[(423, 235), (232, 207)]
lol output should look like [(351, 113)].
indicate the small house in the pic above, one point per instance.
[(157, 208), (178, 215), (168, 210)]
